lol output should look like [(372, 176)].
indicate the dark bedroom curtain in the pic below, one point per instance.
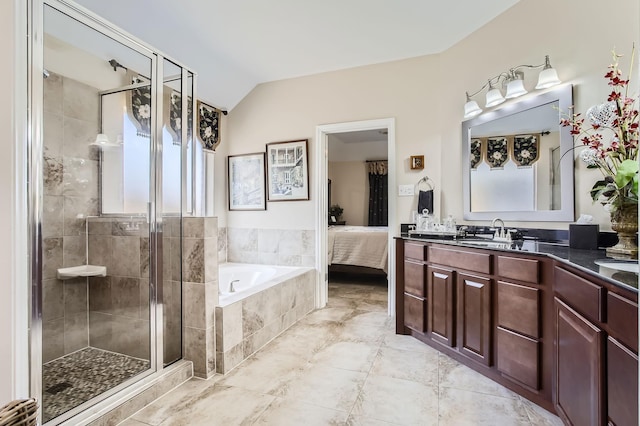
[(378, 194)]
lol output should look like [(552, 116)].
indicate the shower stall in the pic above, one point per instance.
[(112, 167)]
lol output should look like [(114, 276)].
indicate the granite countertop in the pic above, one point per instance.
[(581, 259)]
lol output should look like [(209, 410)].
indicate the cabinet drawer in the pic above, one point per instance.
[(415, 251), (519, 308), (517, 268), (622, 316), (414, 278), (470, 261), (586, 297), (414, 310), (518, 357)]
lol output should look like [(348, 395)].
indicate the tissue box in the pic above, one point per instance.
[(583, 236)]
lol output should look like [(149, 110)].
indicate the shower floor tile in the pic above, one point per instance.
[(76, 378)]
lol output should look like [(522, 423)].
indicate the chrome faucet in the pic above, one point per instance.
[(231, 288), (502, 235)]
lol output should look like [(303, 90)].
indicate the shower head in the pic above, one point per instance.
[(115, 64)]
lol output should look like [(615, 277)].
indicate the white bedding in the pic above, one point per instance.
[(359, 246)]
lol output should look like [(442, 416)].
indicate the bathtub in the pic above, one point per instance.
[(249, 279), (268, 300)]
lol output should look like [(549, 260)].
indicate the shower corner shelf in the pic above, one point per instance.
[(82, 271)]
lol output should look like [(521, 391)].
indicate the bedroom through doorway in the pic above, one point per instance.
[(358, 219)]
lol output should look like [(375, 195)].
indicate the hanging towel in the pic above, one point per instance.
[(425, 201)]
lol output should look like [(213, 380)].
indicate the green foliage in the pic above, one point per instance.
[(335, 210)]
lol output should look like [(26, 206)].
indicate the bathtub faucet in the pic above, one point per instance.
[(231, 288)]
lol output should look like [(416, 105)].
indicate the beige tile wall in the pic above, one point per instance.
[(286, 247), (70, 174), (200, 292), (245, 326)]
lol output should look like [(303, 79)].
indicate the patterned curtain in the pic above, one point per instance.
[(526, 149), (139, 106), (173, 115), (208, 126), (378, 194)]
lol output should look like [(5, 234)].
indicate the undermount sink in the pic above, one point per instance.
[(609, 267), (487, 243)]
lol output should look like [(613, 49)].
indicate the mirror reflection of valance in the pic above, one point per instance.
[(174, 101), (208, 126), (139, 109), (526, 149), (497, 152), (475, 153)]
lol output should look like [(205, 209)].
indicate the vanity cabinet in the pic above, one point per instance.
[(474, 317), (459, 301), (519, 320), (556, 334), (440, 324), (579, 368), (596, 351), (414, 293)]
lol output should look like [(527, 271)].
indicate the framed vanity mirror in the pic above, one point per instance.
[(514, 164)]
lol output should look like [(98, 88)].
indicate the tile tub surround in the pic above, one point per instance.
[(344, 365), (70, 174), (200, 292), (245, 326), (282, 247)]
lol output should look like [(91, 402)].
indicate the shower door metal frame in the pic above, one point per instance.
[(110, 399)]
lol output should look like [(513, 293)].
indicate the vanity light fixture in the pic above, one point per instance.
[(513, 81)]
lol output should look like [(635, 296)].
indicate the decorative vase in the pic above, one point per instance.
[(625, 222)]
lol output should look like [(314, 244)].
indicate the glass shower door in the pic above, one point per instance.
[(98, 189)]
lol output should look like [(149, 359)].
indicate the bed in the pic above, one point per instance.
[(364, 247)]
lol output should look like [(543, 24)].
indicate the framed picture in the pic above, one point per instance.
[(288, 170), (417, 162), (208, 126), (247, 182)]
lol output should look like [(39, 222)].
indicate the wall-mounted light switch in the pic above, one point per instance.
[(405, 190)]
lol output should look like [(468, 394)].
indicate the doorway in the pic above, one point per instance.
[(323, 134)]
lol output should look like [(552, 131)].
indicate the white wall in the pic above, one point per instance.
[(350, 189), (291, 109), (579, 40), (13, 284), (426, 96), (6, 170)]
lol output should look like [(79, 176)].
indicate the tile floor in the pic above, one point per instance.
[(76, 378), (343, 365)]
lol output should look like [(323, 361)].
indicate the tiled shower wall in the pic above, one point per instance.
[(119, 302), (70, 174), (285, 247)]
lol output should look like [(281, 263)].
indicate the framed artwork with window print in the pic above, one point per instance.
[(288, 171)]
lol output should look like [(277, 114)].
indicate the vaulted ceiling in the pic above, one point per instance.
[(236, 45)]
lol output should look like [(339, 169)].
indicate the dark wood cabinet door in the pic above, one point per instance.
[(579, 368), (414, 278), (441, 307), (414, 312), (622, 384), (474, 317)]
